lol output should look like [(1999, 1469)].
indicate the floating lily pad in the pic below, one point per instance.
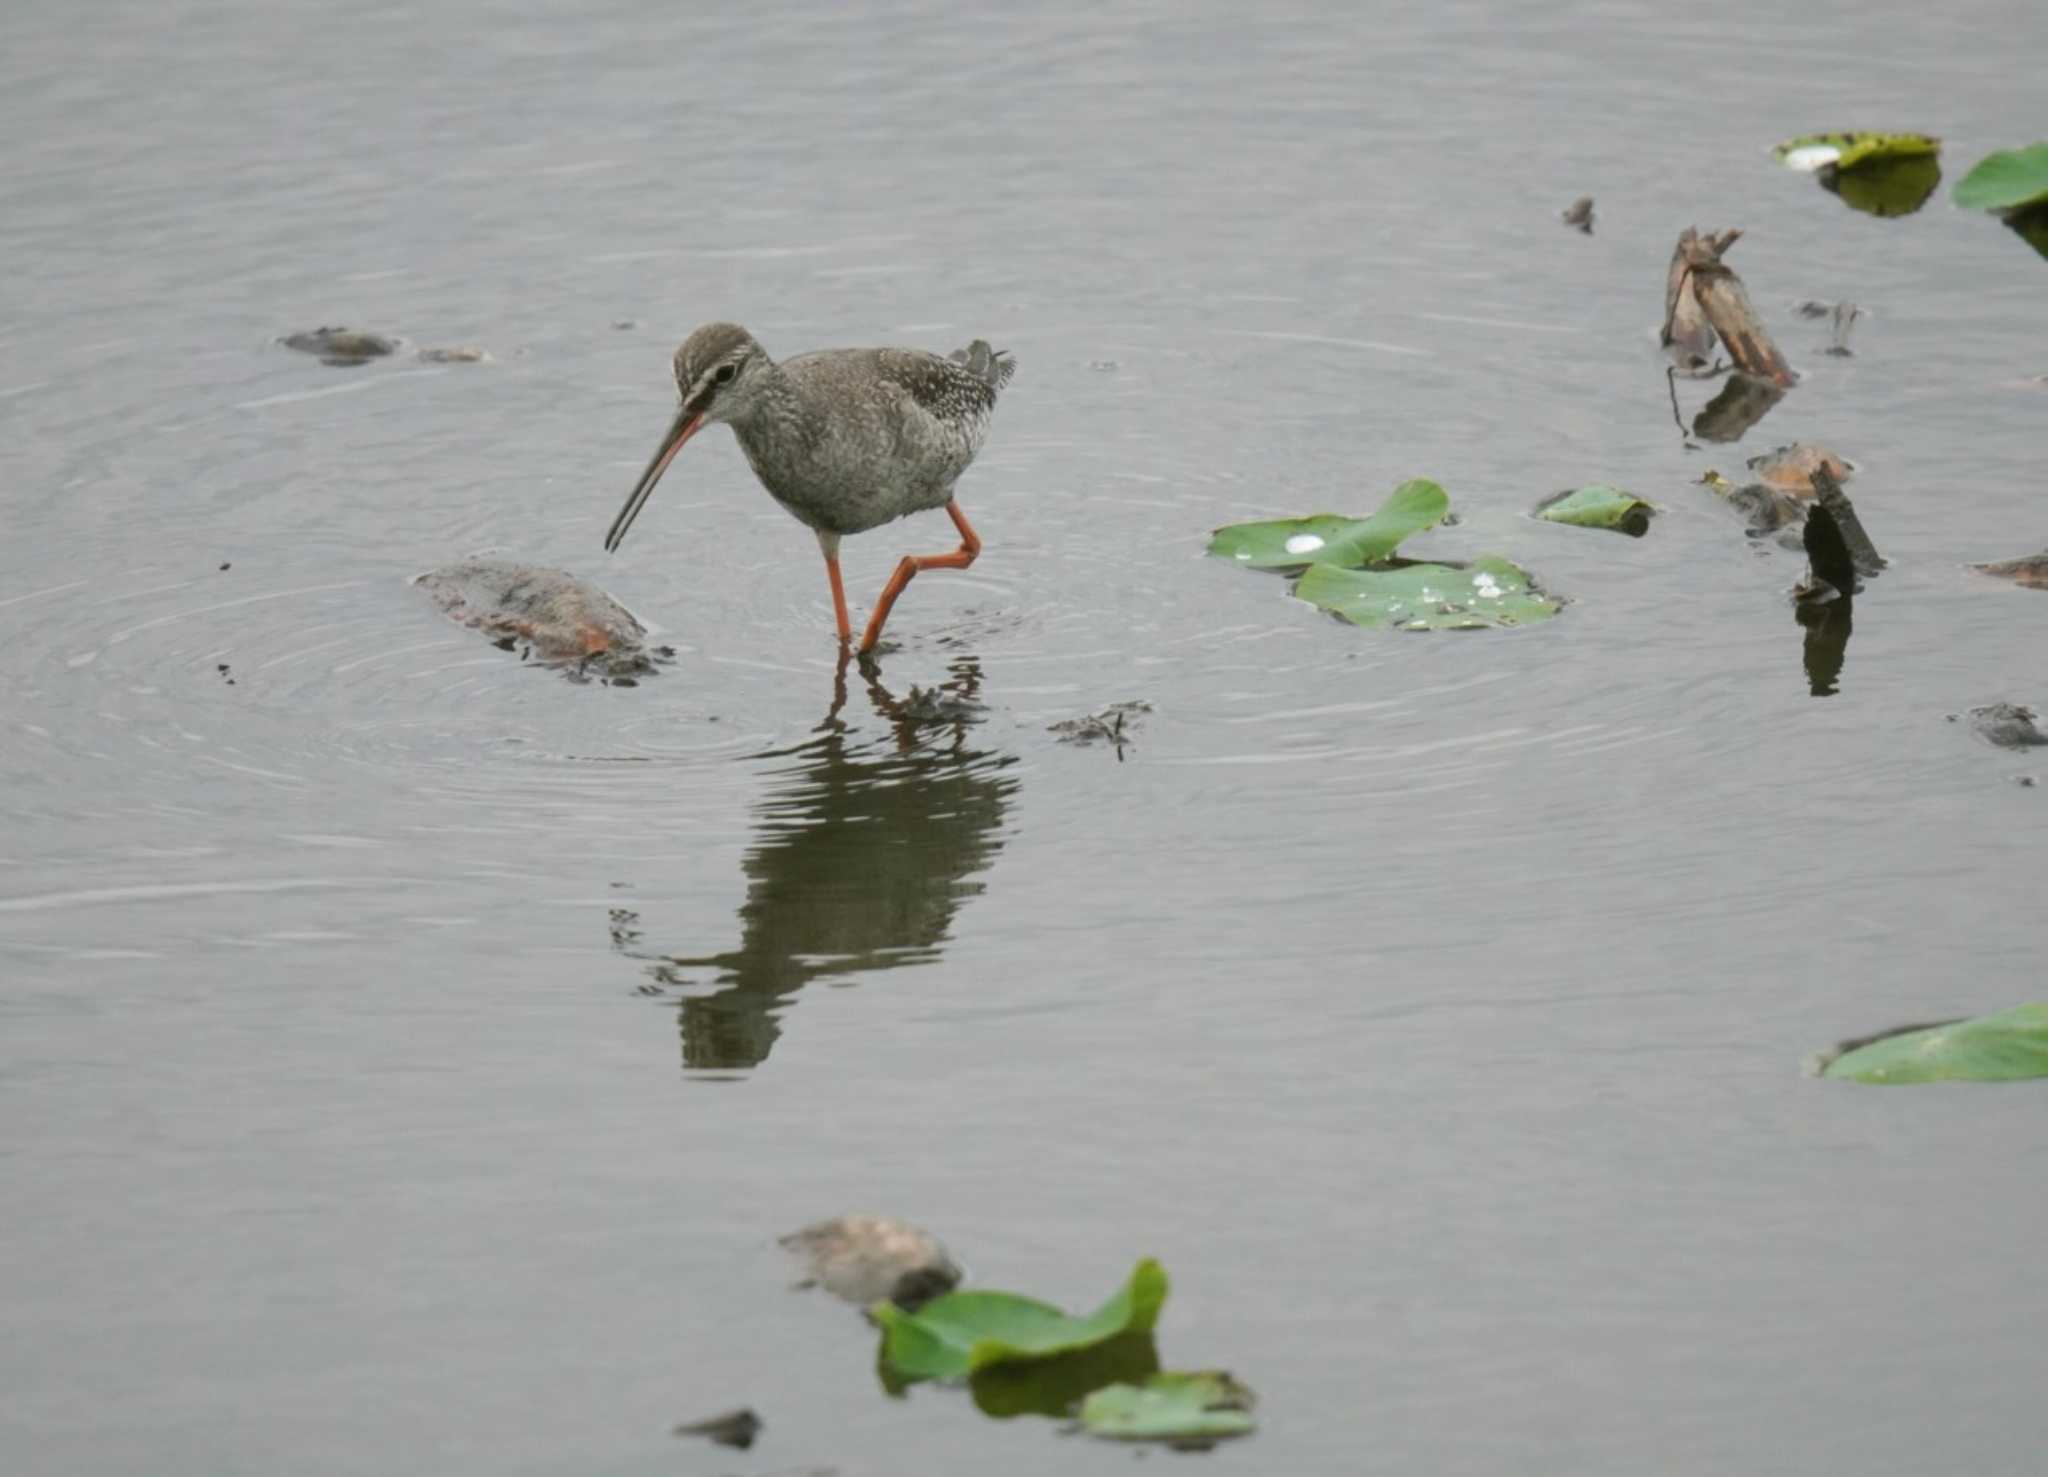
[(2006, 180), (2005, 1047), (1847, 151), (1888, 187), (1430, 597), (1599, 506), (1203, 1405), (1329, 538), (961, 1332)]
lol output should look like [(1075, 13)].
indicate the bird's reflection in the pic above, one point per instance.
[(864, 849)]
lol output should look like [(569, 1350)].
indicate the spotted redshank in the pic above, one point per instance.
[(845, 439)]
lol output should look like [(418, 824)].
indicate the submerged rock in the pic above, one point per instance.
[(2031, 570), (466, 354), (340, 345), (866, 1258), (2007, 725), (560, 620)]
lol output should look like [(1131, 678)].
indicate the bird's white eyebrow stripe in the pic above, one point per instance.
[(703, 381)]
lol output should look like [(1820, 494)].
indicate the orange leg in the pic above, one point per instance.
[(970, 545), (829, 542)]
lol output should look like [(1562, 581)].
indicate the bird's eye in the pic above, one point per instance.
[(725, 373)]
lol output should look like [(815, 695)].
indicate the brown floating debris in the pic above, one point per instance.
[(1697, 270), (1831, 500), (341, 346), (1115, 724), (560, 620), (2031, 570), (1791, 468), (1831, 567), (1687, 336), (728, 1428), (2007, 725), (1579, 213), (866, 1258), (1768, 509)]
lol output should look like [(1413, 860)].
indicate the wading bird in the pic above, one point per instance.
[(845, 439)]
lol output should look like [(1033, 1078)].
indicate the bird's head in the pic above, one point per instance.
[(718, 371)]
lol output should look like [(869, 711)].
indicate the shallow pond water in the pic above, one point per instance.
[(410, 1057)]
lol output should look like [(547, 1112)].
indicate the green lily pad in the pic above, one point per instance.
[(2005, 1047), (1811, 151), (1202, 1405), (961, 1332), (1599, 506), (2006, 180), (1889, 187), (1430, 597), (1329, 538)]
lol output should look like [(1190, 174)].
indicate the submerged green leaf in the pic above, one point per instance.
[(2006, 180), (1201, 1405), (962, 1332), (1430, 597), (1599, 506), (2005, 1047), (1812, 151), (1055, 1386), (1329, 538)]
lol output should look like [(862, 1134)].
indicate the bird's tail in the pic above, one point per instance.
[(993, 367)]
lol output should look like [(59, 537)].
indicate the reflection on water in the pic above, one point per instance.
[(864, 850), (1827, 643), (1730, 415)]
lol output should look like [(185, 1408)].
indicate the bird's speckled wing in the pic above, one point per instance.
[(892, 430)]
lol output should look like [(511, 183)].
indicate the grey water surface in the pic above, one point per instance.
[(409, 1056)]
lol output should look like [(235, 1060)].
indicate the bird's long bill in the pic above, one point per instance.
[(686, 423)]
